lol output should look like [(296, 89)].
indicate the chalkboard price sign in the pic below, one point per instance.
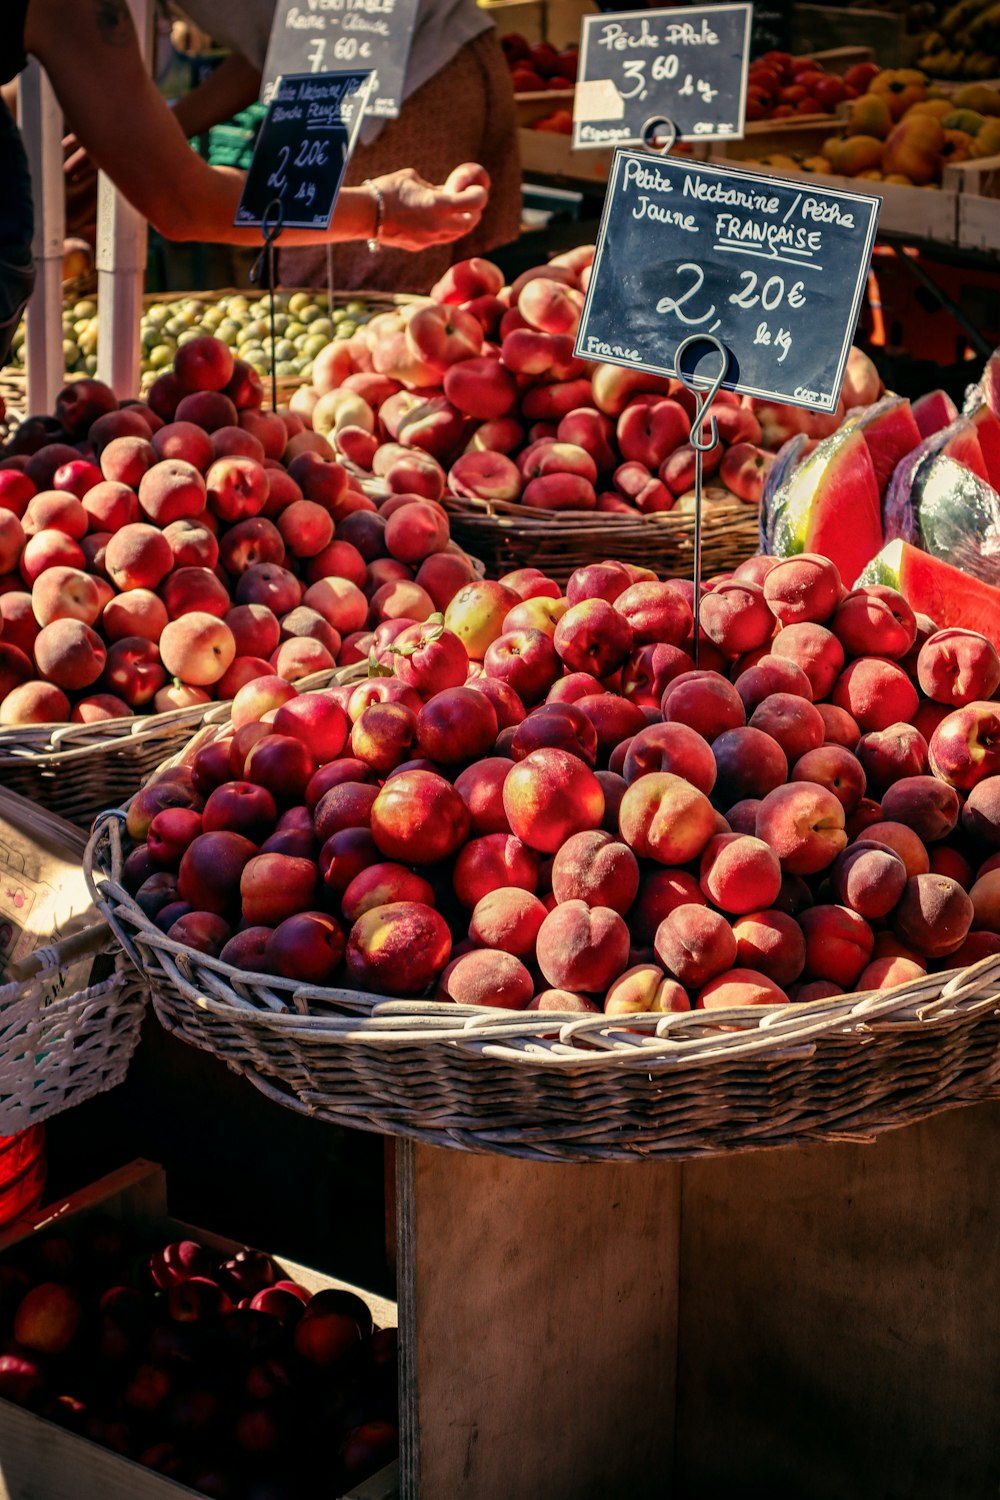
[(687, 66), (333, 36), (774, 268), (302, 150)]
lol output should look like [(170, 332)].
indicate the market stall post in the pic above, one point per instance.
[(121, 262), (41, 124)]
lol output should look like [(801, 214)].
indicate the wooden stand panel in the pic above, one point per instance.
[(839, 1324), (537, 1316)]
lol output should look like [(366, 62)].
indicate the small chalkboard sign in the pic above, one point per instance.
[(688, 66), (302, 150), (333, 36), (773, 267)]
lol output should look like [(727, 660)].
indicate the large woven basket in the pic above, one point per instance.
[(573, 1088), (508, 536), (59, 1045)]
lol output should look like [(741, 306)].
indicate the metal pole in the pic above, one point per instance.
[(42, 125)]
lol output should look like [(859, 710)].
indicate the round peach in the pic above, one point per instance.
[(833, 767), (965, 746), (772, 943), (644, 988), (875, 621), (695, 944), (816, 650), (885, 973), (379, 885), (69, 653), (582, 948), (740, 987), (704, 702), (869, 878), (418, 818), (49, 549), (198, 648), (595, 868), (138, 557), (508, 919), (35, 703), (55, 510), (985, 898), (456, 725), (307, 947), (398, 949), (981, 813), (793, 722), (956, 667), (771, 674), (803, 589), (171, 490), (139, 612), (274, 886), (673, 748), (481, 789), (749, 763), (486, 976), (549, 796), (497, 861), (739, 874), (928, 806), (934, 914), (65, 594), (663, 817), (839, 944), (903, 841), (803, 823), (876, 693)]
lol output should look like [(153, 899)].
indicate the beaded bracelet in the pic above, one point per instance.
[(376, 191)]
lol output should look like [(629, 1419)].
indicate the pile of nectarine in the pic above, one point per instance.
[(208, 1368), (156, 555), (547, 805), (484, 383)]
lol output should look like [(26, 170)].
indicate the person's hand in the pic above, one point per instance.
[(418, 214), (77, 165)]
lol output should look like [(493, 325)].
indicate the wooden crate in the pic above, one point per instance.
[(978, 187), (532, 107), (41, 1461), (549, 155)]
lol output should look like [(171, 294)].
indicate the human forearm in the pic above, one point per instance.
[(232, 86)]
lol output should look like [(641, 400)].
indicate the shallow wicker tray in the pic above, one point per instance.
[(573, 1088), (508, 536), (59, 1045)]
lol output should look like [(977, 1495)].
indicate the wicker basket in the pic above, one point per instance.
[(508, 536), (77, 770), (59, 1047), (574, 1088)]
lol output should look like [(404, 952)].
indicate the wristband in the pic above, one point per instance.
[(376, 192)]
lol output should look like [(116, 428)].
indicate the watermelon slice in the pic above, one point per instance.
[(934, 411), (935, 588), (941, 506), (891, 432), (831, 504), (988, 432)]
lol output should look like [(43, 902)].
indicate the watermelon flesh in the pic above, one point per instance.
[(933, 587), (891, 432), (831, 504), (988, 432), (934, 411)]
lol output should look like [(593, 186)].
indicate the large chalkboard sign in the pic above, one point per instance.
[(773, 267), (687, 66), (333, 36), (302, 150)]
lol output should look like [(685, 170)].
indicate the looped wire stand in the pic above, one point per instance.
[(659, 134), (701, 443), (271, 226)]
